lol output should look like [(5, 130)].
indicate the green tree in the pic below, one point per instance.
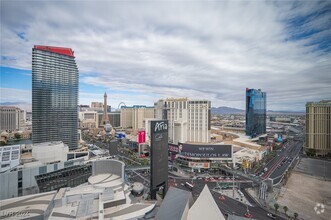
[(276, 206), (285, 209), (18, 136), (296, 215)]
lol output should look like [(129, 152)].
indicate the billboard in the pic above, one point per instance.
[(141, 136), (159, 156), (205, 151), (173, 148), (199, 165)]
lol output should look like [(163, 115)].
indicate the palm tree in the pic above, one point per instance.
[(276, 206), (285, 209), (296, 215)]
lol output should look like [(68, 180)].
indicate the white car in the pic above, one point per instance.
[(270, 215)]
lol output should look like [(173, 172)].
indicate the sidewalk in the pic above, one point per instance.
[(269, 204)]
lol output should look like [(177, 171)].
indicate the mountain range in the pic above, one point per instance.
[(228, 110)]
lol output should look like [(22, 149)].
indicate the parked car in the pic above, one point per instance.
[(248, 215), (270, 215)]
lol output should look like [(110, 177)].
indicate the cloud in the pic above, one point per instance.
[(16, 97), (212, 50)]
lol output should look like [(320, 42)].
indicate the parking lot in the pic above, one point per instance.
[(315, 167)]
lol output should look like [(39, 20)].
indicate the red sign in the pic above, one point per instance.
[(141, 136)]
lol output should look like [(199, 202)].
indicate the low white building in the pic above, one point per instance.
[(21, 164), (104, 196), (9, 157), (49, 152)]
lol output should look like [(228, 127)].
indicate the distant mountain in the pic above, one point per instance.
[(228, 110)]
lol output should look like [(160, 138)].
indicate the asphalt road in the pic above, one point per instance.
[(280, 163), (229, 205), (291, 152)]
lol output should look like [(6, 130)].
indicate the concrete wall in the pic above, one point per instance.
[(108, 166)]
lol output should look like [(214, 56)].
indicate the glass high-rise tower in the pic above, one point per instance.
[(256, 112), (54, 95)]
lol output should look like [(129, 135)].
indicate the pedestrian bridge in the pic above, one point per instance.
[(137, 168)]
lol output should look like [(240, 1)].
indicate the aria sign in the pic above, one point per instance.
[(161, 126)]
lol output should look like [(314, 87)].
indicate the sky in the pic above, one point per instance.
[(142, 51)]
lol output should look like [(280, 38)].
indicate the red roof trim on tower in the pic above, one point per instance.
[(58, 50)]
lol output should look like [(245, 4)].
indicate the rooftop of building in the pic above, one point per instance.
[(175, 99), (136, 106), (59, 50), (319, 103), (104, 196), (247, 154), (51, 143), (174, 204), (205, 207)]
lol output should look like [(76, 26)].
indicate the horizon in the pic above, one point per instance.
[(138, 56)]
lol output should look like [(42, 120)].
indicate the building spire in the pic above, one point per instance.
[(105, 119)]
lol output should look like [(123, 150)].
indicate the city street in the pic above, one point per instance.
[(229, 205), (283, 159), (276, 169)]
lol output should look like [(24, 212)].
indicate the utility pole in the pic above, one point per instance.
[(233, 185), (233, 165)]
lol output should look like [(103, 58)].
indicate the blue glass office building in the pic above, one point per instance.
[(256, 112), (54, 95)]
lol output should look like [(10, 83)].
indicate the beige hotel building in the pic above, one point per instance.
[(318, 128)]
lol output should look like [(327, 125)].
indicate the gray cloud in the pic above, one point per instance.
[(211, 50)]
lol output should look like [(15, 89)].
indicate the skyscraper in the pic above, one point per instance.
[(318, 128), (256, 112), (54, 95), (189, 120)]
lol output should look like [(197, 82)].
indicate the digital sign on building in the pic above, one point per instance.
[(159, 156), (173, 148), (141, 136), (205, 151)]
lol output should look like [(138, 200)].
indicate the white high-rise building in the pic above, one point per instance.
[(133, 117), (189, 120)]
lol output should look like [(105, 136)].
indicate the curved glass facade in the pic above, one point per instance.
[(256, 112), (54, 97)]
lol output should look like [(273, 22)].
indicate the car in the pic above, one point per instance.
[(222, 198), (270, 215), (248, 215)]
